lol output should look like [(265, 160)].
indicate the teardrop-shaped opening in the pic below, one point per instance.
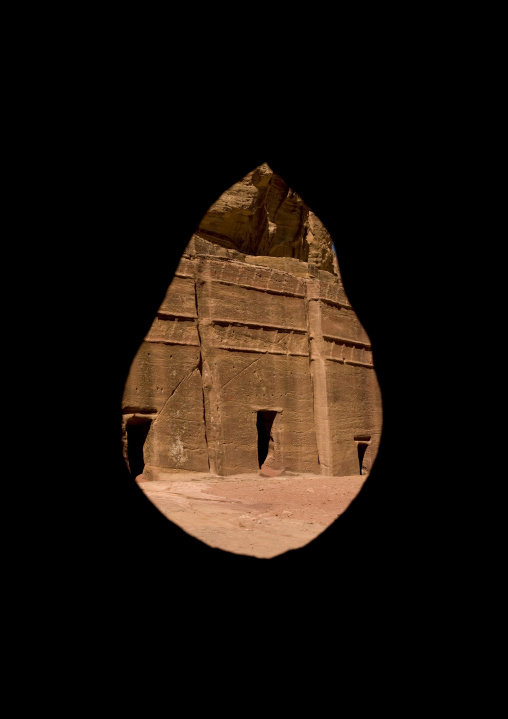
[(252, 412)]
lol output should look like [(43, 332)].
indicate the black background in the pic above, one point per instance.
[(124, 130), (139, 175), (142, 207)]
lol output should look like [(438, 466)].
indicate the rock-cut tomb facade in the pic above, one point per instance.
[(255, 361)]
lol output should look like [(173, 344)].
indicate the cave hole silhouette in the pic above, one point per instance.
[(264, 424), (137, 431), (362, 448)]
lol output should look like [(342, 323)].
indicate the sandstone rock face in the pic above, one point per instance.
[(256, 360), (262, 216)]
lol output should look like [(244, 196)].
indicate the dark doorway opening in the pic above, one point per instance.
[(264, 424), (137, 431), (362, 448)]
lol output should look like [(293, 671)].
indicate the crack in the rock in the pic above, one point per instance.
[(200, 368), (311, 373), (175, 390), (243, 370)]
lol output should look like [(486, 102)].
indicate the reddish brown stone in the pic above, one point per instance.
[(255, 330)]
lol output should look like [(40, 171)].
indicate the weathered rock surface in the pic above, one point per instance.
[(256, 358), (261, 215)]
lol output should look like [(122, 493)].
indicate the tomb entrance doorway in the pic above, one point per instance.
[(363, 447), (269, 442), (264, 423), (137, 428)]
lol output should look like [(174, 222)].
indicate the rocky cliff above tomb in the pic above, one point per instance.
[(261, 216)]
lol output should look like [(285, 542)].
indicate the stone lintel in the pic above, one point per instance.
[(264, 290), (129, 412), (258, 325), (162, 315), (332, 303), (347, 341), (340, 360), (171, 342), (230, 348)]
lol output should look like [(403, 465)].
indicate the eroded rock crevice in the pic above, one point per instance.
[(200, 369)]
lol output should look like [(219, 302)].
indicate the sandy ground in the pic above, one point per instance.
[(250, 514)]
